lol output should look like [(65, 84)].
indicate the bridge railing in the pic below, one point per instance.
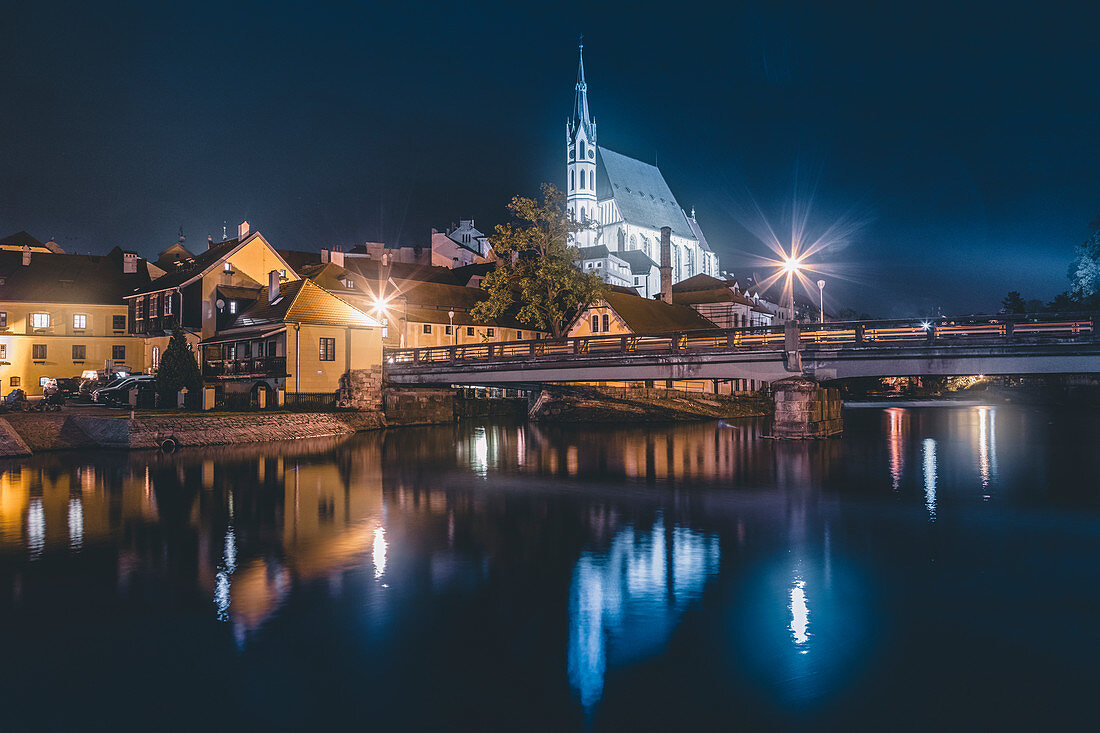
[(969, 329)]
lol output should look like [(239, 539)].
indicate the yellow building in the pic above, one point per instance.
[(64, 314), (256, 325)]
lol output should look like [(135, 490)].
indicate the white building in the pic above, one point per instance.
[(612, 269), (460, 246), (624, 202)]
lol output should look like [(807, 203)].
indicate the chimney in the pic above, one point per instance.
[(242, 231), (129, 263), (666, 264), (324, 256), (336, 257), (209, 241), (272, 286), (26, 255)]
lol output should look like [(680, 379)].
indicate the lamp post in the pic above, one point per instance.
[(821, 292), (451, 319)]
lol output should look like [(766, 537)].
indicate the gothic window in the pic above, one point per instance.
[(583, 214), (582, 155), (633, 242), (622, 239), (606, 324), (595, 324), (582, 180), (572, 180)]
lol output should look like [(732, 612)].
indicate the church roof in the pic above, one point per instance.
[(643, 196), (640, 263), (698, 232)]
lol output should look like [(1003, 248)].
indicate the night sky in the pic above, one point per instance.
[(962, 141)]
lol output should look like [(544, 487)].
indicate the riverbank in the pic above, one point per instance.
[(23, 434)]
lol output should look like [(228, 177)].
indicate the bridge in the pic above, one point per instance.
[(998, 345)]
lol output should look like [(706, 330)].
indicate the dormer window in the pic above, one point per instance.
[(227, 266)]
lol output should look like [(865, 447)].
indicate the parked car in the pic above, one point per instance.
[(69, 386), (119, 393)]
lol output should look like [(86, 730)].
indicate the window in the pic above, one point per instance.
[(139, 309), (3, 351), (582, 155), (582, 186), (469, 330), (595, 324), (118, 353), (80, 351), (118, 323), (3, 319), (43, 381), (572, 180), (427, 328), (167, 304), (606, 323), (328, 349), (232, 306), (156, 356), (38, 351), (448, 330), (40, 320), (637, 281), (80, 321), (154, 306), (490, 332), (227, 267), (15, 381), (519, 335)]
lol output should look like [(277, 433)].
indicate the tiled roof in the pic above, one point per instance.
[(23, 239), (699, 282), (203, 261), (642, 315), (717, 295), (65, 278), (301, 301), (639, 189), (596, 252)]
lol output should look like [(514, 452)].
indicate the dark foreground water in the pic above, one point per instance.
[(935, 568)]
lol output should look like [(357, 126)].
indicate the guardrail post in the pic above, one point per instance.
[(622, 344), (1009, 328), (859, 333), (490, 354), (932, 334), (730, 337)]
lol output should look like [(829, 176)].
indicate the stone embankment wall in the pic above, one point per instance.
[(67, 431), (615, 404), (418, 406), (805, 410)]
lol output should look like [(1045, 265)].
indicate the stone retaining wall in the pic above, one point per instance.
[(69, 431), (804, 409), (418, 406)]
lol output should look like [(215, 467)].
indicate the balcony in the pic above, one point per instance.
[(258, 366)]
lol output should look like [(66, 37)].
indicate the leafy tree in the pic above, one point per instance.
[(178, 369), (1014, 302), (535, 269), (1084, 273)]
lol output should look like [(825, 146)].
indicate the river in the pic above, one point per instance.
[(935, 567)]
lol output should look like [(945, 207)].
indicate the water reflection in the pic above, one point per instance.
[(929, 448), (574, 571), (625, 602)]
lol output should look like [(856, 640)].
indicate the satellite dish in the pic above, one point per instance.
[(219, 303)]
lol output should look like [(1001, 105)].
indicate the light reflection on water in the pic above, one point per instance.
[(625, 602), (712, 574)]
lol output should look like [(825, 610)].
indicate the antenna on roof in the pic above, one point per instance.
[(181, 235)]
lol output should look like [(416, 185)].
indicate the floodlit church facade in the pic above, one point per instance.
[(624, 202)]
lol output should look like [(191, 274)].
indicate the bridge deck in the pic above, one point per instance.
[(997, 345)]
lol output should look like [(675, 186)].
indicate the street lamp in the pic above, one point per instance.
[(451, 319), (821, 291)]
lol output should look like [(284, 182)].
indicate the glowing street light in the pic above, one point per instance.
[(451, 327), (821, 293)]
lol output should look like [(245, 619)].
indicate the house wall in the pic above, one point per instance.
[(417, 338), (355, 348), (255, 260), (98, 337)]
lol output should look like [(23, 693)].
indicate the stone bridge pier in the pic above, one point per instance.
[(805, 410)]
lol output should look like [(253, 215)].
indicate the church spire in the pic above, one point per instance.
[(581, 116)]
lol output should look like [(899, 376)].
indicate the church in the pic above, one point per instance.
[(624, 202)]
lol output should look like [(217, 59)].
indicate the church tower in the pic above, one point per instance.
[(580, 145)]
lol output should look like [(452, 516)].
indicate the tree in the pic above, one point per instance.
[(535, 275), (1014, 302), (1084, 273), (178, 369)]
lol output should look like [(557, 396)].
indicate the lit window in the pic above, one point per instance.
[(3, 351), (3, 319), (227, 267), (167, 304), (156, 357), (15, 381), (40, 320), (328, 349), (232, 306), (43, 381), (80, 321)]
